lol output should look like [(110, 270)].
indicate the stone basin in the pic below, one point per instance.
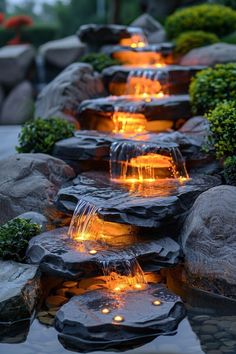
[(158, 206), (83, 327), (169, 112), (59, 255), (179, 77)]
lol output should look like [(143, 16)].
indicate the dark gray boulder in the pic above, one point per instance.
[(153, 29), (19, 292), (83, 327), (209, 241), (59, 255)]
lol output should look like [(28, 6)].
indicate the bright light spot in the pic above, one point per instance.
[(118, 318), (156, 302), (105, 311), (93, 252)]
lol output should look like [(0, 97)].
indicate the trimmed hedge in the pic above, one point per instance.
[(212, 86), (193, 39), (217, 19), (222, 121)]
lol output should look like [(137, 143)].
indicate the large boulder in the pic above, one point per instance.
[(152, 28), (18, 106), (15, 61), (209, 240), (62, 96), (19, 292), (210, 55), (62, 52), (29, 182)]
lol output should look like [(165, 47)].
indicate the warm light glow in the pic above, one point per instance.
[(105, 311), (139, 58), (93, 252), (135, 41), (118, 318), (156, 302), (128, 122), (144, 87)]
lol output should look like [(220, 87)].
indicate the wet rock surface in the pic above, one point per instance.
[(97, 113), (209, 241), (61, 96), (29, 182), (179, 77), (19, 292), (160, 206), (59, 255), (84, 328), (153, 29)]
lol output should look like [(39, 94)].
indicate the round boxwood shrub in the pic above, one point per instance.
[(212, 86), (222, 135), (40, 135), (217, 19), (14, 238), (230, 170), (99, 61), (193, 39)]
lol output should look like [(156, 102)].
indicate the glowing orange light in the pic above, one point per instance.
[(137, 57), (105, 311), (156, 302), (118, 318), (93, 252), (136, 40), (128, 122)]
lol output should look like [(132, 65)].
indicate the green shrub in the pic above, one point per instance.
[(38, 34), (230, 170), (212, 86), (222, 122), (217, 19), (14, 238), (193, 39), (40, 135), (99, 61)]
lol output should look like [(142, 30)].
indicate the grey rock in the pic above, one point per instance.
[(83, 327), (154, 31), (9, 139), (76, 83), (62, 52), (59, 255), (96, 114), (18, 106), (15, 332), (218, 53), (163, 209), (15, 60), (19, 292), (29, 182), (35, 217), (209, 240)]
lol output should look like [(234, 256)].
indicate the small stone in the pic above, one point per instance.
[(219, 335), (95, 287), (86, 283), (210, 329), (62, 291), (53, 312), (57, 300), (46, 320), (212, 345), (200, 318), (206, 337), (42, 313), (70, 284), (75, 291)]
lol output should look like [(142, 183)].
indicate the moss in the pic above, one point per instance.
[(40, 135), (14, 238), (193, 39), (222, 122), (99, 61), (212, 86), (217, 19)]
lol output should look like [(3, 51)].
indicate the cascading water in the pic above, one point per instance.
[(41, 72), (145, 162)]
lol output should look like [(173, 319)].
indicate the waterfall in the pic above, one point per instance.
[(41, 72)]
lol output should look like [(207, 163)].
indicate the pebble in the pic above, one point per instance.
[(201, 318), (75, 291), (209, 329), (70, 284), (86, 283), (62, 291), (46, 320), (55, 301)]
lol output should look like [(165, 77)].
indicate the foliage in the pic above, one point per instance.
[(5, 36), (193, 39), (40, 135), (99, 61), (212, 86), (14, 238), (38, 34), (217, 19), (230, 170), (18, 21), (222, 122)]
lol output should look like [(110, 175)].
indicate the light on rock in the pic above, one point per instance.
[(156, 302), (118, 318)]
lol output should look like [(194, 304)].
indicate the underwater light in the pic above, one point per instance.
[(93, 252), (105, 311), (118, 318)]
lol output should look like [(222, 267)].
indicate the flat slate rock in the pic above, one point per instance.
[(178, 81), (59, 255), (175, 108), (152, 206), (84, 328), (19, 291)]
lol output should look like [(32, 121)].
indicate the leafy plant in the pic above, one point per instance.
[(212, 86), (230, 170), (222, 122), (14, 238), (99, 61), (193, 39), (40, 135), (214, 18)]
